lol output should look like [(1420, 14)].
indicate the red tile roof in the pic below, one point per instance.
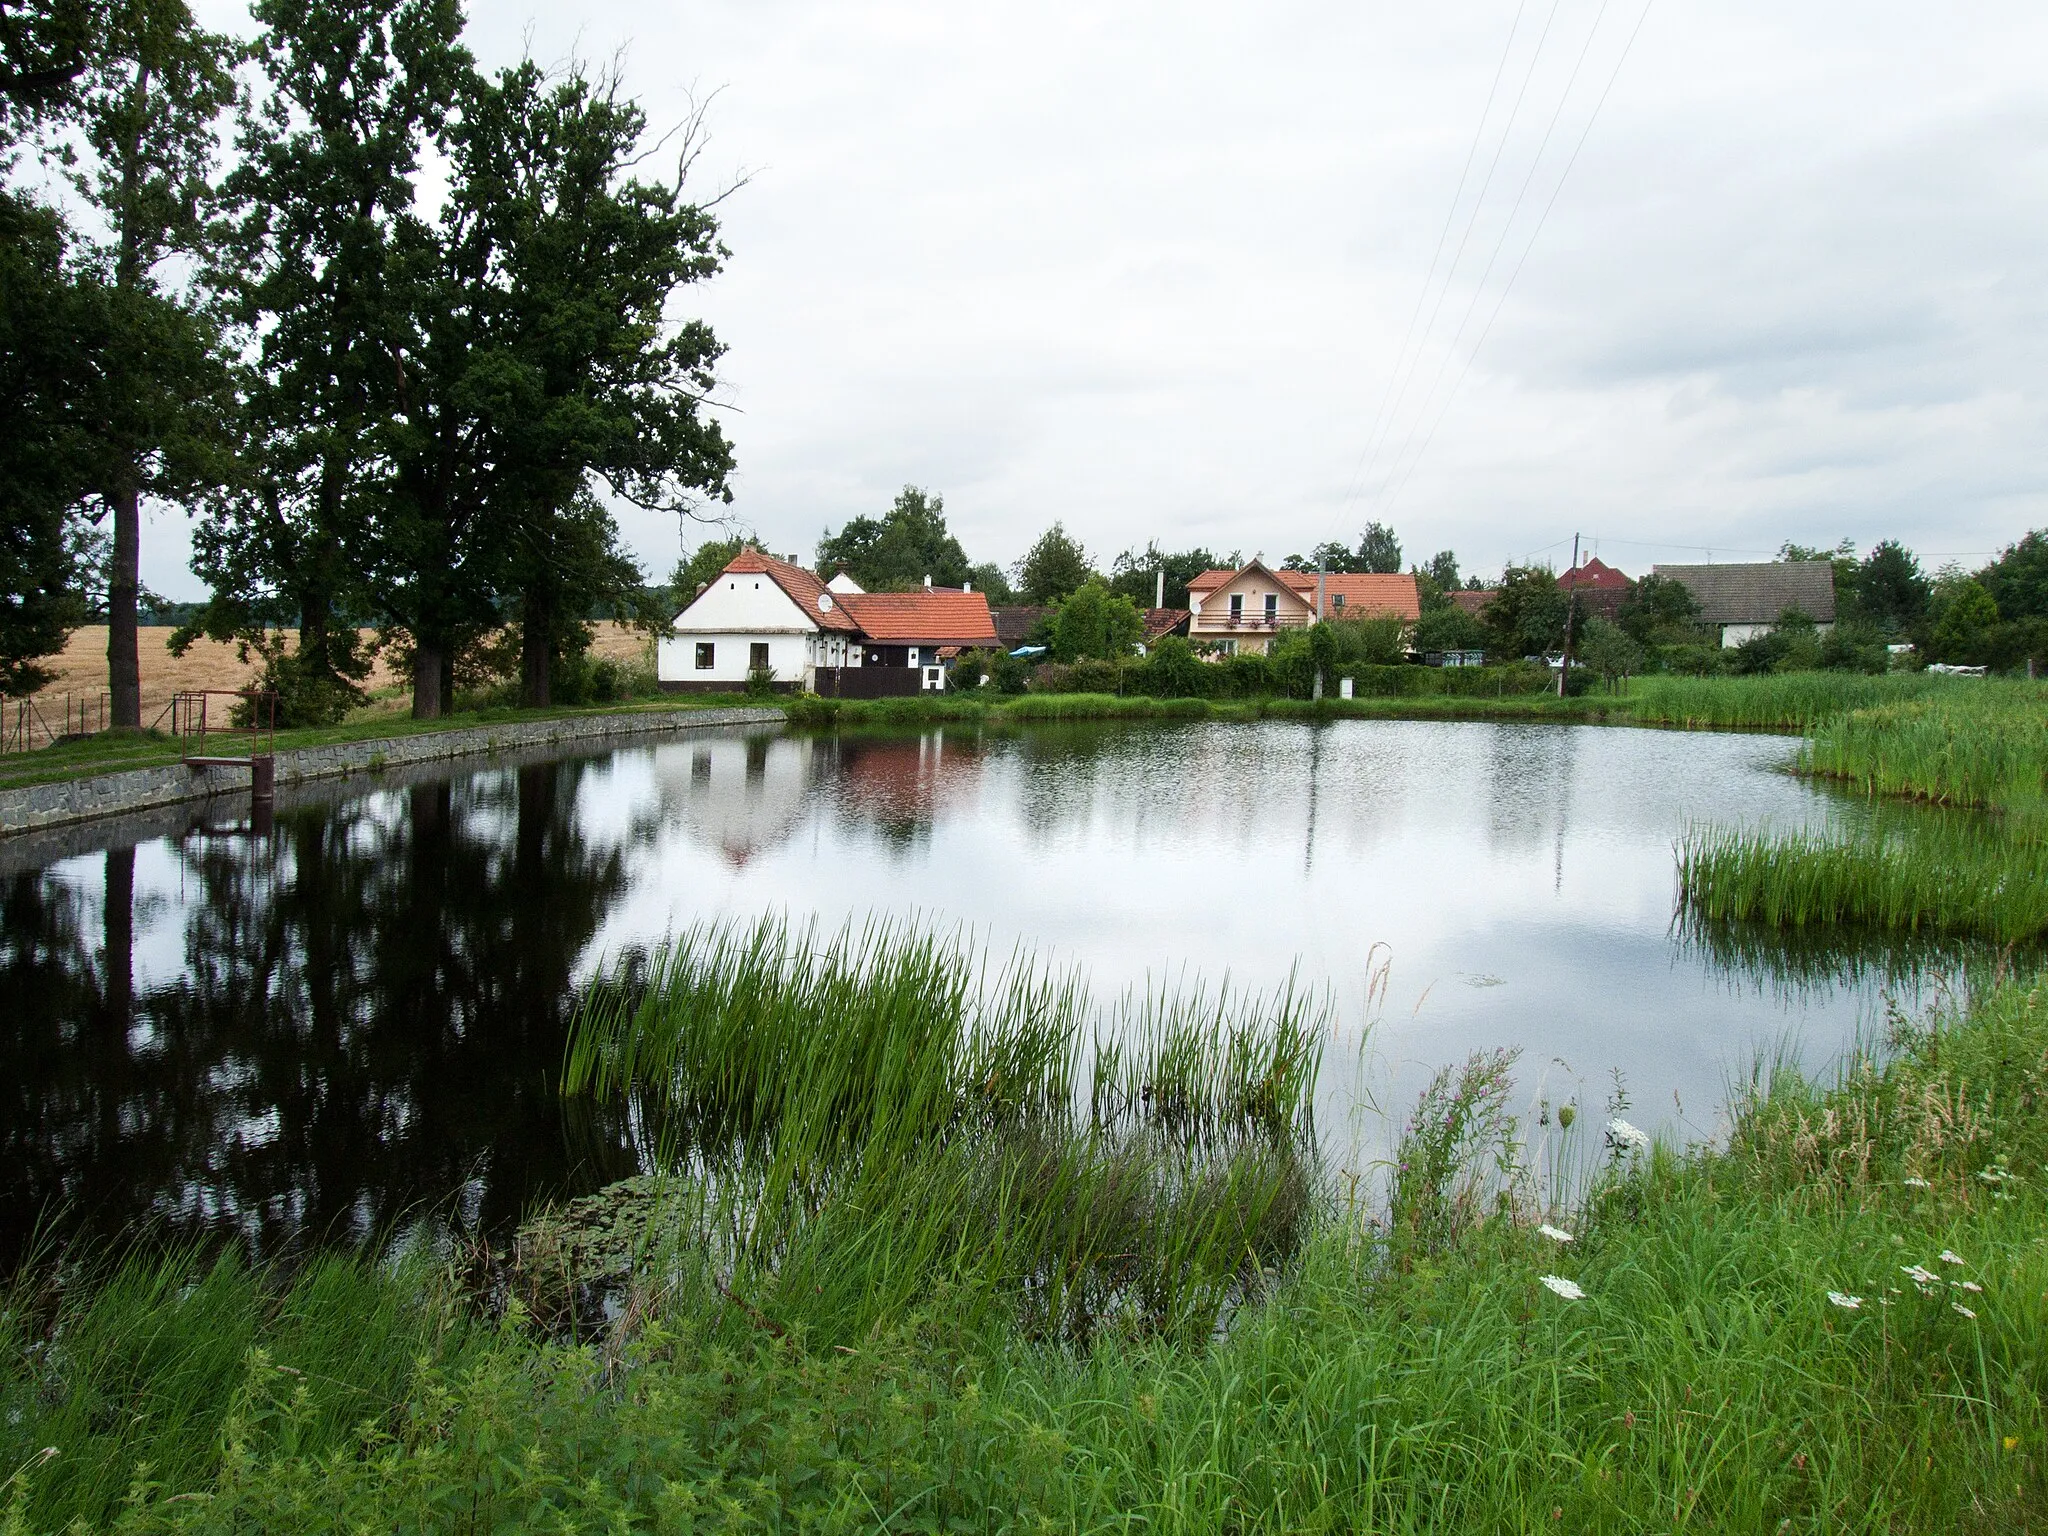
[(1377, 595), (1595, 575), (922, 618), (802, 587)]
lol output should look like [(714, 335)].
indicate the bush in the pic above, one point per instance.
[(1173, 671)]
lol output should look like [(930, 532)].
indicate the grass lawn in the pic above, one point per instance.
[(114, 751)]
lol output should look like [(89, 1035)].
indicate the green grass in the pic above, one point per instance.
[(118, 751), (982, 1132), (1395, 1374), (1986, 748), (1936, 881), (1789, 701)]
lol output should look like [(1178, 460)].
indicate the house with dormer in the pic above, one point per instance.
[(1242, 610), (761, 614)]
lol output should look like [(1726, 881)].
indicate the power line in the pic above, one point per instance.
[(1443, 235), (1479, 288), (1374, 444), (1584, 134)]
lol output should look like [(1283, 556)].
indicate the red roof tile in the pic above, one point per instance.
[(1595, 575), (802, 587), (922, 618), (1390, 595)]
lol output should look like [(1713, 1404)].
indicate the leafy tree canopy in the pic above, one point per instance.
[(896, 551), (1094, 623), (1053, 567), (1964, 613), (1889, 588), (1527, 614), (2018, 579), (1658, 610), (1135, 572), (1378, 550), (1447, 627)]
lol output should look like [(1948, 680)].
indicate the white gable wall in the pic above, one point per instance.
[(733, 615)]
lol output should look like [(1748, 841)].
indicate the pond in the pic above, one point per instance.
[(352, 1021)]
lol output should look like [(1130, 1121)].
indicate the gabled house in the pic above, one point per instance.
[(1747, 600), (1243, 610), (1598, 586), (764, 614)]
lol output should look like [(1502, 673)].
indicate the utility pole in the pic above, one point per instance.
[(1570, 605)]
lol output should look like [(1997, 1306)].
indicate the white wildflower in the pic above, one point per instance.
[(1964, 1310), (1555, 1234), (1994, 1175), (1918, 1184), (1846, 1303), (1950, 1256), (1568, 1289), (1621, 1134), (1967, 1285), (1920, 1277)]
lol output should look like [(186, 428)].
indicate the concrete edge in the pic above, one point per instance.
[(36, 807)]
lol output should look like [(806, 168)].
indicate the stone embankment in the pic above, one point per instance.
[(38, 806)]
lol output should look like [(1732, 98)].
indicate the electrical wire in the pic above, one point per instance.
[(1584, 134)]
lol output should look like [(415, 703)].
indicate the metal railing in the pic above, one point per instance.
[(1241, 622)]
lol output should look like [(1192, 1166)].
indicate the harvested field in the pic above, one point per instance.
[(81, 670)]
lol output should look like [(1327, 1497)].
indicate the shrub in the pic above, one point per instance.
[(1173, 671)]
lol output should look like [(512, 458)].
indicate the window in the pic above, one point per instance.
[(1272, 606), (1338, 600), (706, 655), (1236, 606), (757, 656)]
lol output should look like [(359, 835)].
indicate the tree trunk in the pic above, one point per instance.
[(536, 649), (124, 662), (430, 666)]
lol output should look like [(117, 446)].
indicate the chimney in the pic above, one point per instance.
[(966, 586), (927, 581), (1159, 591)]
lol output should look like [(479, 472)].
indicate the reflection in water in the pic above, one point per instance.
[(367, 1022), (356, 1020)]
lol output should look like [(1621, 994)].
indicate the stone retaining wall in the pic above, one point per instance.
[(138, 789)]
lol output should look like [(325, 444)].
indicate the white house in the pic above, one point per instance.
[(758, 614), (764, 614)]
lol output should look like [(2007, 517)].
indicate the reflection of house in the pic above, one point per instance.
[(764, 614), (1598, 586), (1242, 610), (1744, 601)]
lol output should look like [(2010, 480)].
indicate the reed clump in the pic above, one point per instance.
[(1787, 701), (1936, 881), (850, 1124), (1985, 747)]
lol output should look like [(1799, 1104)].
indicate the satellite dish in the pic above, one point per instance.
[(824, 602)]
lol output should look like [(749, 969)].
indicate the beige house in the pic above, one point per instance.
[(1243, 610)]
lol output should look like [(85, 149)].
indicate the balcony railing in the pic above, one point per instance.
[(1254, 623)]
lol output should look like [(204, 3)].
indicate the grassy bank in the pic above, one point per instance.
[(1981, 746), (117, 751), (1833, 1324)]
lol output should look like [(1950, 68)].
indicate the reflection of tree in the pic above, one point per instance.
[(370, 1019), (1529, 775)]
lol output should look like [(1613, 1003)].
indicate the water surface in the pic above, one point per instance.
[(354, 1019)]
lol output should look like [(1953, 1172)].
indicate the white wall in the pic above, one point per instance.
[(1735, 634), (732, 615)]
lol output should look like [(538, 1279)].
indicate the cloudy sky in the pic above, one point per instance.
[(1249, 275)]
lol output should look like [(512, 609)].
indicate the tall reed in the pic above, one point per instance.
[(1789, 701), (855, 1121)]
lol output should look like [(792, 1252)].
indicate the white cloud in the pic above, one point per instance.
[(1146, 268)]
